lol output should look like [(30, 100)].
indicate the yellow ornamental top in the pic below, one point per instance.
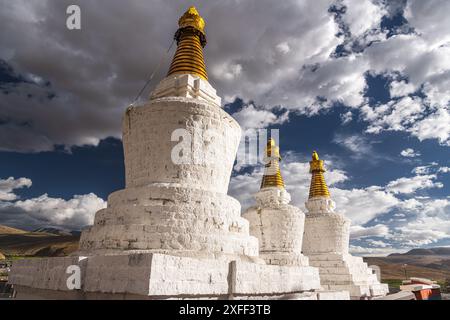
[(272, 174), (191, 40), (191, 18), (318, 186)]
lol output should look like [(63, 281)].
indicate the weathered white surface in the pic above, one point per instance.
[(345, 272), (46, 273), (187, 86), (165, 276), (278, 227), (168, 206), (156, 275), (326, 233), (272, 197), (252, 278), (326, 243), (174, 232), (171, 220), (320, 205), (333, 295), (148, 145)]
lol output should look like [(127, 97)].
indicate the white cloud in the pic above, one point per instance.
[(283, 47), (358, 232), (401, 88), (251, 118), (74, 213), (430, 20), (444, 169), (435, 126), (367, 251), (394, 116), (362, 16), (412, 184), (347, 117), (360, 147), (409, 153), (249, 55), (378, 243), (7, 186), (363, 205)]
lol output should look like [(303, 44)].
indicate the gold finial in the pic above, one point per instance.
[(315, 156), (318, 186), (191, 39), (272, 174), (191, 18)]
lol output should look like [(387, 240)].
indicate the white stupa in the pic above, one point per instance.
[(173, 232), (326, 243)]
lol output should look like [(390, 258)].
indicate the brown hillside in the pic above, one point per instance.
[(9, 230), (37, 244), (393, 268)]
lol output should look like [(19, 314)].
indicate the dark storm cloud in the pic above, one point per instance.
[(97, 71), (258, 50)]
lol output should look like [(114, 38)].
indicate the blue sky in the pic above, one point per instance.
[(365, 83)]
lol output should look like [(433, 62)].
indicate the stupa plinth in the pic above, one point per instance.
[(326, 243)]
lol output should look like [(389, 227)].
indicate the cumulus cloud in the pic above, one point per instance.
[(73, 214), (363, 205), (401, 88), (367, 251), (409, 153), (250, 117), (360, 147), (394, 116), (358, 232), (412, 184), (7, 186), (73, 86), (347, 117)]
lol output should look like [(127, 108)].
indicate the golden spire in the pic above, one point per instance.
[(272, 175), (318, 186), (191, 40)]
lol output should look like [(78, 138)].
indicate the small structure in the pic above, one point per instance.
[(279, 226), (326, 243), (423, 289)]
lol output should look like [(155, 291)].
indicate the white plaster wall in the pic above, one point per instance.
[(147, 132), (326, 233), (170, 219), (165, 276), (279, 231)]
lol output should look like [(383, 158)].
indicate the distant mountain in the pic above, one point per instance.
[(440, 251), (41, 242), (432, 263), (59, 232), (9, 230)]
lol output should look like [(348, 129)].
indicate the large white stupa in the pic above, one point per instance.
[(173, 232)]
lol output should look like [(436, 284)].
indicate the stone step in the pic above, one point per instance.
[(379, 289), (356, 291)]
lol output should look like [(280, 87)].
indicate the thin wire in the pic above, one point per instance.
[(154, 72)]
